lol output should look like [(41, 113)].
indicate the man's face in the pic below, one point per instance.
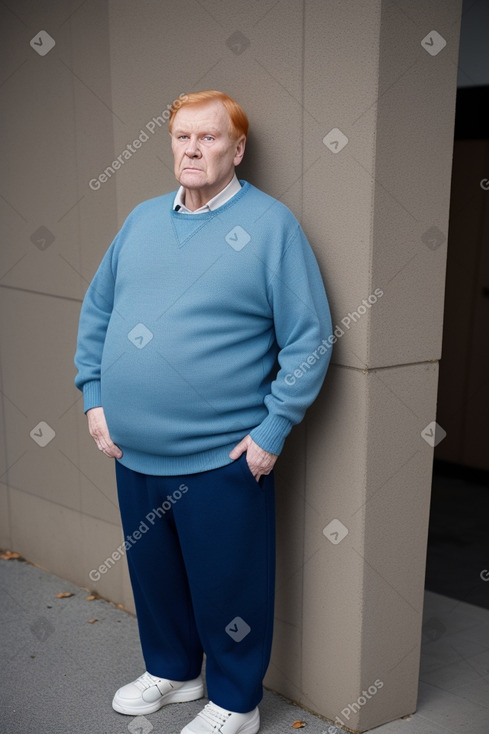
[(205, 153)]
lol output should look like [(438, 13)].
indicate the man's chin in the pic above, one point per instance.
[(192, 175)]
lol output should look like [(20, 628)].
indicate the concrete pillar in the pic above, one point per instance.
[(356, 488), (351, 107)]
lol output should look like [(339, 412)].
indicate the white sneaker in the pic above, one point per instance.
[(148, 694), (215, 720)]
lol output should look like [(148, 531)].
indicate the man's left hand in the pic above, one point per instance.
[(259, 461)]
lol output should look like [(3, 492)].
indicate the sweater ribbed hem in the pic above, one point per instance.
[(92, 397), (270, 435), (176, 465)]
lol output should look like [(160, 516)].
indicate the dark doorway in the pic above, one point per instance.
[(458, 543)]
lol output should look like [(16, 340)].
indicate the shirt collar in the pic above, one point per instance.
[(218, 200)]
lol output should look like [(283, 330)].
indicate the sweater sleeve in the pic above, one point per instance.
[(303, 331), (94, 318)]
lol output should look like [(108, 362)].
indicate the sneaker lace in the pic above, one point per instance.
[(214, 715), (146, 680)]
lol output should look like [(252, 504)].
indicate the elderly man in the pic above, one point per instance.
[(204, 336)]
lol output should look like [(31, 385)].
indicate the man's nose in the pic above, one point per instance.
[(192, 150)]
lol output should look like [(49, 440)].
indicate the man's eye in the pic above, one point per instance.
[(208, 137)]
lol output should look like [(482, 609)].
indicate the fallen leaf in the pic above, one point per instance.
[(64, 595), (91, 621), (90, 598), (298, 724), (8, 555)]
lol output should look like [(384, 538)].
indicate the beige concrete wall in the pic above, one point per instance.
[(58, 501), (349, 612)]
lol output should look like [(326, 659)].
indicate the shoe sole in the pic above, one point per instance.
[(179, 696), (251, 727)]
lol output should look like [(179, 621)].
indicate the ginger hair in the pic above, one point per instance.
[(237, 115)]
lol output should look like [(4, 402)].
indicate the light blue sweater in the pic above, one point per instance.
[(198, 329)]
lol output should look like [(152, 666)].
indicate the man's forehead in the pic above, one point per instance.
[(209, 114)]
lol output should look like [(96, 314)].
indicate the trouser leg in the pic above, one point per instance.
[(226, 527), (169, 638)]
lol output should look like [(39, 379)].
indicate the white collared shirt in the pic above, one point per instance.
[(218, 200)]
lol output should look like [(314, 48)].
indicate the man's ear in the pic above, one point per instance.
[(240, 149)]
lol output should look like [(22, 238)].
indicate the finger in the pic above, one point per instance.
[(259, 469), (239, 449), (103, 443), (108, 447), (256, 468), (113, 452)]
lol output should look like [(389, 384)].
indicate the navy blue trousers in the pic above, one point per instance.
[(201, 555)]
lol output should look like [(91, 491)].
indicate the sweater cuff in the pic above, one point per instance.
[(271, 433), (92, 395)]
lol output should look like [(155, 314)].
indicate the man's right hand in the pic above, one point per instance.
[(97, 427)]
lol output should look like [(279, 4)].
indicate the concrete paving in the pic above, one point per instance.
[(60, 670)]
